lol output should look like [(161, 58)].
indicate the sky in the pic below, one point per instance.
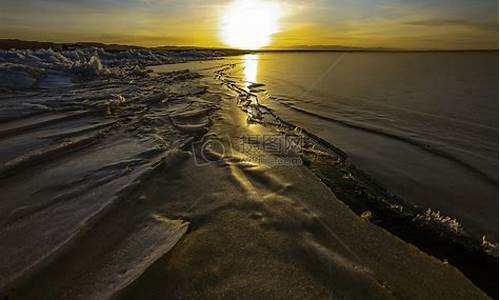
[(409, 24)]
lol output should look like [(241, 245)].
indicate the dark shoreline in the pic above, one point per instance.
[(362, 194)]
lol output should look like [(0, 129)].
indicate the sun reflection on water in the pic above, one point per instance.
[(251, 66)]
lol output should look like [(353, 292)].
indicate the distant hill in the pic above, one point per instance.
[(7, 44), (323, 47), (339, 48)]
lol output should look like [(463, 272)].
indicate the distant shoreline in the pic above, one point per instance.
[(378, 51), (7, 44)]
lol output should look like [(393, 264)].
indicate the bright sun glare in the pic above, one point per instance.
[(248, 24)]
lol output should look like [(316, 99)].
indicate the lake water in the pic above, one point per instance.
[(425, 125)]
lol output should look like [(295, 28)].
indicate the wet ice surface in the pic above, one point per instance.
[(99, 183), (268, 231)]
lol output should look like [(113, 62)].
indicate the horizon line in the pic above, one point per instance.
[(297, 48)]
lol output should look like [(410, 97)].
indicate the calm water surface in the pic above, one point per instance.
[(423, 124)]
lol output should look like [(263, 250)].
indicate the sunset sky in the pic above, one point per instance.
[(360, 23)]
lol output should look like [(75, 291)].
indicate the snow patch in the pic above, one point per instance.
[(435, 217), (22, 69)]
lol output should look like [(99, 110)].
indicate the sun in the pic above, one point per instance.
[(249, 24)]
